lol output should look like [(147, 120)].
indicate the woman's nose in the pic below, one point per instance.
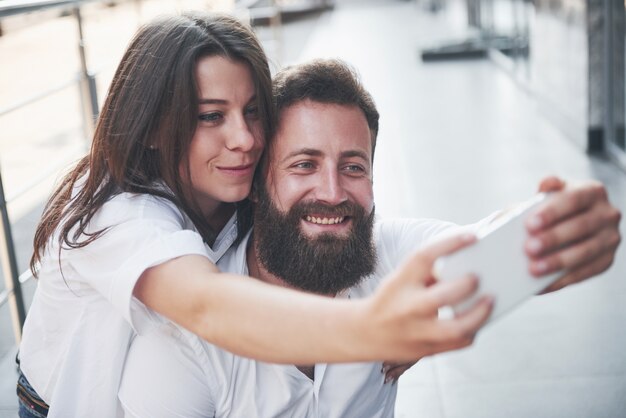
[(241, 137)]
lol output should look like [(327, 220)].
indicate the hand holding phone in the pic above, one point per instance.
[(499, 261)]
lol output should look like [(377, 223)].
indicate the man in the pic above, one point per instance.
[(314, 230)]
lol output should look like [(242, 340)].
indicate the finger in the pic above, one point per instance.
[(564, 204), (582, 273), (459, 331), (449, 292), (388, 365), (473, 318), (551, 184), (430, 281), (571, 230), (392, 375), (420, 263), (586, 251)]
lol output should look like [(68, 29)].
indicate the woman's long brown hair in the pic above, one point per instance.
[(146, 124)]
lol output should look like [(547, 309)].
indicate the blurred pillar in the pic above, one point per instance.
[(596, 77), (615, 121), (473, 13)]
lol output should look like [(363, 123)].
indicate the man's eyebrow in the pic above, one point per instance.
[(355, 153), (311, 152)]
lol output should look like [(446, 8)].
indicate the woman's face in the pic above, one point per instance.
[(228, 140)]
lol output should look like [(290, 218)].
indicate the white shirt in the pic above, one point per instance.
[(172, 373), (83, 315)]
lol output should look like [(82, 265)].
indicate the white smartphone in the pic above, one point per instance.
[(499, 261)]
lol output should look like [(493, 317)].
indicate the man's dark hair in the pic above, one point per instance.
[(325, 81)]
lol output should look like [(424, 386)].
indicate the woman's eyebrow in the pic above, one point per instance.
[(223, 101), (212, 101)]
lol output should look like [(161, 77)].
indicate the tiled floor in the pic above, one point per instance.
[(457, 141)]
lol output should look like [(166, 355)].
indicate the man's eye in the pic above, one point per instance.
[(210, 117), (304, 165), (354, 168)]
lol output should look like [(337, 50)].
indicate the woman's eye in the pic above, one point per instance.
[(210, 117), (252, 111)]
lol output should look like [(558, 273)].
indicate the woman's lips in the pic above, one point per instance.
[(237, 170)]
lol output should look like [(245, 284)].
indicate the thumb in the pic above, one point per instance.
[(551, 184), (420, 264)]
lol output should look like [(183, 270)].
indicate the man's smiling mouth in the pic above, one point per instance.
[(325, 220)]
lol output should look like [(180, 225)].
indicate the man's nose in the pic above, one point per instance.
[(241, 136), (330, 189)]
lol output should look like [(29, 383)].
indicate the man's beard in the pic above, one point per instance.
[(325, 264)]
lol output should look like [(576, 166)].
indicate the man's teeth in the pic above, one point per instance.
[(325, 221)]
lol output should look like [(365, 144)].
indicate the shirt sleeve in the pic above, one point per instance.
[(399, 238), (133, 242)]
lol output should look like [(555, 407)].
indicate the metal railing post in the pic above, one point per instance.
[(9, 269), (89, 94)]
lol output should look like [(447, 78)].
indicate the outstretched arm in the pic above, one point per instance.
[(577, 230), (270, 323)]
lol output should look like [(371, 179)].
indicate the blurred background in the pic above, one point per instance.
[(479, 100)]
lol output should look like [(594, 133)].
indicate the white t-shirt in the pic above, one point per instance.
[(83, 315), (170, 372)]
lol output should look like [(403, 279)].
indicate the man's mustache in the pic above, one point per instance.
[(346, 208)]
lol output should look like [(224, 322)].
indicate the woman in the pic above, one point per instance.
[(173, 152), (130, 237)]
